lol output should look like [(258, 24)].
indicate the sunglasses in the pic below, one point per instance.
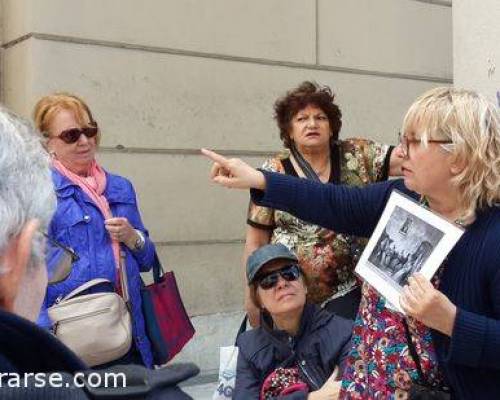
[(289, 273), (72, 135), (64, 264)]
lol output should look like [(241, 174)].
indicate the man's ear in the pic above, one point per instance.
[(14, 261)]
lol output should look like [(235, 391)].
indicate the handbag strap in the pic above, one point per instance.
[(122, 270), (85, 286), (304, 165), (158, 270), (414, 354), (243, 328)]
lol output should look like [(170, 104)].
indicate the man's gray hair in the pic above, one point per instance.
[(26, 189)]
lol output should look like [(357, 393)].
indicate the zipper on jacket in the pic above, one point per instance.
[(302, 366)]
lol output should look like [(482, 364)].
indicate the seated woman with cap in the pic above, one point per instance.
[(297, 347)]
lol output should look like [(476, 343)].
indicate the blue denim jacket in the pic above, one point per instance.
[(79, 224)]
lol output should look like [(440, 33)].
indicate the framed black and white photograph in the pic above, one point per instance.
[(408, 238)]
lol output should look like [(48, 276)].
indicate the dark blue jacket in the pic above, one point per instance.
[(26, 348), (323, 342), (470, 358), (79, 224)]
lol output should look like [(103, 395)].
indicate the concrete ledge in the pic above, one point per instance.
[(212, 332)]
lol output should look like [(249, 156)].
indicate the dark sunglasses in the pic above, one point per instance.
[(72, 135), (289, 273), (64, 264)]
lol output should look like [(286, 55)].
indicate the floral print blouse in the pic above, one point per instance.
[(379, 365), (327, 258)]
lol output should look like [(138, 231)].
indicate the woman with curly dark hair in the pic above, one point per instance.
[(309, 122)]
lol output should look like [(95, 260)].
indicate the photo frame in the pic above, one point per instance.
[(408, 238)]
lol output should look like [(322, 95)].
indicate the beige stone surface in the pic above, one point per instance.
[(177, 200), (212, 331), (166, 101), (17, 77), (17, 18), (210, 277), (397, 36), (285, 28), (216, 91), (476, 48)]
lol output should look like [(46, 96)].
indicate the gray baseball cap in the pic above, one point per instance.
[(263, 255)]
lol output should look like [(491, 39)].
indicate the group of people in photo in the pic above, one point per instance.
[(399, 263), (315, 330)]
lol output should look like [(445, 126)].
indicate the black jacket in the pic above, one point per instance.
[(323, 341), (27, 348)]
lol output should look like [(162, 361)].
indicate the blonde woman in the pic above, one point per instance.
[(451, 149)]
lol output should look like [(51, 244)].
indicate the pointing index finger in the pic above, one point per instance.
[(215, 157)]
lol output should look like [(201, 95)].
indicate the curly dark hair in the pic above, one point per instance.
[(307, 93)]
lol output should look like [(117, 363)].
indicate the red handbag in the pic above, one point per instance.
[(281, 382), (167, 324)]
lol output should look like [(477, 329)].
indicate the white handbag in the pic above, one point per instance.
[(97, 326)]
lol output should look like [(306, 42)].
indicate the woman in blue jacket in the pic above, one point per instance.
[(97, 214), (451, 149)]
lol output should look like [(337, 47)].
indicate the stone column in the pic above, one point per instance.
[(476, 47)]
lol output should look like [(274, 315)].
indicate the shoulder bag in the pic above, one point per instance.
[(96, 326), (167, 323)]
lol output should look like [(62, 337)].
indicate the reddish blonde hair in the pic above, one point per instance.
[(48, 106)]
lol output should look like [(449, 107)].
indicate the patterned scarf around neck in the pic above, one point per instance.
[(94, 185)]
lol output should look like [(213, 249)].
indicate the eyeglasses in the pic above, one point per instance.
[(64, 264), (404, 142), (289, 273), (72, 135)]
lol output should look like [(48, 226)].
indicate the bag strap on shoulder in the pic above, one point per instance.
[(84, 287), (243, 328), (414, 354), (304, 165)]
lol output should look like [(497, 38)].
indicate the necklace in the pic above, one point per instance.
[(324, 170), (460, 221)]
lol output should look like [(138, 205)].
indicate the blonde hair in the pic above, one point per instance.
[(472, 124), (48, 106)]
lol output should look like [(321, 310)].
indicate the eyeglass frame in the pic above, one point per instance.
[(404, 142), (294, 269), (68, 250)]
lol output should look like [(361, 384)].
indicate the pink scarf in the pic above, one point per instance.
[(93, 185)]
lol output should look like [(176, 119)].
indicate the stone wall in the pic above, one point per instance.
[(476, 49), (166, 77)]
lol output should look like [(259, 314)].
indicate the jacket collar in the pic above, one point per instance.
[(61, 183), (312, 319), (115, 190)]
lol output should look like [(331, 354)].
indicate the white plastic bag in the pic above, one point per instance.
[(227, 373)]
